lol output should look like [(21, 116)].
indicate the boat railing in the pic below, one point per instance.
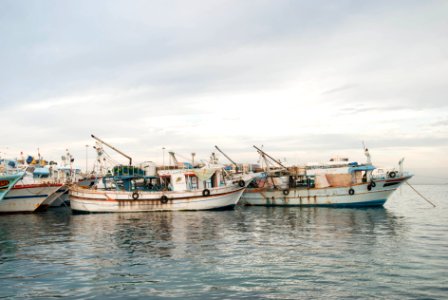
[(122, 170)]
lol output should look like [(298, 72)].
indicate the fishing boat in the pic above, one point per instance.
[(186, 190), (339, 184), (129, 188), (28, 197), (34, 191)]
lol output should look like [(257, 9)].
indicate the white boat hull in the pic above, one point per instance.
[(330, 196), (27, 197), (61, 197), (86, 200), (52, 198)]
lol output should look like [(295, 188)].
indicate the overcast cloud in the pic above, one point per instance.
[(307, 79)]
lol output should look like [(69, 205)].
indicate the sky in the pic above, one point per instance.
[(308, 80)]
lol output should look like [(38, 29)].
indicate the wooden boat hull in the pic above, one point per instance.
[(62, 196), (27, 197), (326, 197), (87, 200), (50, 201)]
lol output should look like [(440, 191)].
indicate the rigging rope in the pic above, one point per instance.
[(420, 194)]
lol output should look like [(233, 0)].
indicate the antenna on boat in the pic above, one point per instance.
[(113, 148), (366, 153), (236, 166)]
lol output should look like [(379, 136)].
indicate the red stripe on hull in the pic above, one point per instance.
[(30, 186)]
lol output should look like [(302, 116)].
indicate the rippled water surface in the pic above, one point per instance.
[(399, 251)]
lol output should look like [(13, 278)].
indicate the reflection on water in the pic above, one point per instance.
[(249, 252), (171, 234)]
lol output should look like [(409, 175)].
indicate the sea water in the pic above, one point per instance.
[(399, 251)]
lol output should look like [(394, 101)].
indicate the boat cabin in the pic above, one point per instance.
[(131, 178), (192, 179)]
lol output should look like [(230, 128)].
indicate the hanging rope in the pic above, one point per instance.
[(420, 194)]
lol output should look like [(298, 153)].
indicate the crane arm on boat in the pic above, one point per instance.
[(113, 148)]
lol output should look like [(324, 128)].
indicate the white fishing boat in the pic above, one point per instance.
[(28, 197), (132, 191), (340, 184), (144, 189), (33, 192)]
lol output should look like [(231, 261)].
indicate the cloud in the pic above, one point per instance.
[(339, 89), (440, 123)]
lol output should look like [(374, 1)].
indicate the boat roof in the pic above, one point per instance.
[(361, 168)]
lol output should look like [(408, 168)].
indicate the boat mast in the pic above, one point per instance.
[(173, 157), (234, 163), (113, 148), (273, 159)]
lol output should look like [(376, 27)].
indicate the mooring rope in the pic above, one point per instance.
[(420, 194)]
